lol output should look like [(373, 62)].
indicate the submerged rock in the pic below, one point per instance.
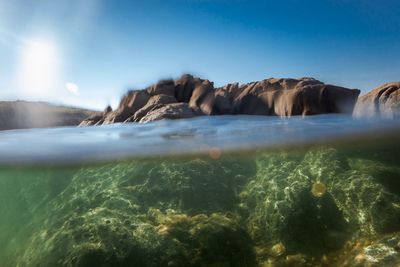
[(283, 208), (145, 214), (214, 240), (277, 97)]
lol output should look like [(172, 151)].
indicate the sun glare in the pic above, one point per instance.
[(39, 68)]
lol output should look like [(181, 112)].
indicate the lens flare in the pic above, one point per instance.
[(72, 88)]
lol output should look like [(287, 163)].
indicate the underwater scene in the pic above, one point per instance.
[(213, 191)]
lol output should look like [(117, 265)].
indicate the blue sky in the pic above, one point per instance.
[(89, 52)]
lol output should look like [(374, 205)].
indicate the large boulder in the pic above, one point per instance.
[(289, 97), (383, 101)]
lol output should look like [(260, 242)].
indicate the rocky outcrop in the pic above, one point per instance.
[(24, 114), (191, 96), (383, 101)]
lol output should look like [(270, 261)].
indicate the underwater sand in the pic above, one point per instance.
[(214, 191)]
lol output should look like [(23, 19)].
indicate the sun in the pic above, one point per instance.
[(39, 67)]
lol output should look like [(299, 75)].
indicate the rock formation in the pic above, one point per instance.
[(189, 96), (383, 101)]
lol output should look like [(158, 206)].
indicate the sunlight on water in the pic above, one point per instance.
[(228, 191)]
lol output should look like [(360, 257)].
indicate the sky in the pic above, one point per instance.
[(90, 52)]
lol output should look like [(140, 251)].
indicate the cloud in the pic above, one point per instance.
[(72, 88)]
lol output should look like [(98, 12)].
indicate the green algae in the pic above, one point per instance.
[(255, 209)]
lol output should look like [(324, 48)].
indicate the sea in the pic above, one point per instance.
[(209, 191)]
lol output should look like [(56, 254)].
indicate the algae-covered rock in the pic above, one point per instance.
[(214, 240), (106, 216), (314, 202), (379, 252), (283, 208)]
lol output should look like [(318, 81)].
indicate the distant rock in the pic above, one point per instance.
[(383, 101), (24, 114), (196, 96)]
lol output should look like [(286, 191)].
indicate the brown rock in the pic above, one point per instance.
[(96, 118), (171, 111), (203, 97), (154, 102), (222, 102), (383, 101), (163, 87), (233, 89), (288, 97), (129, 104), (281, 97), (184, 87)]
